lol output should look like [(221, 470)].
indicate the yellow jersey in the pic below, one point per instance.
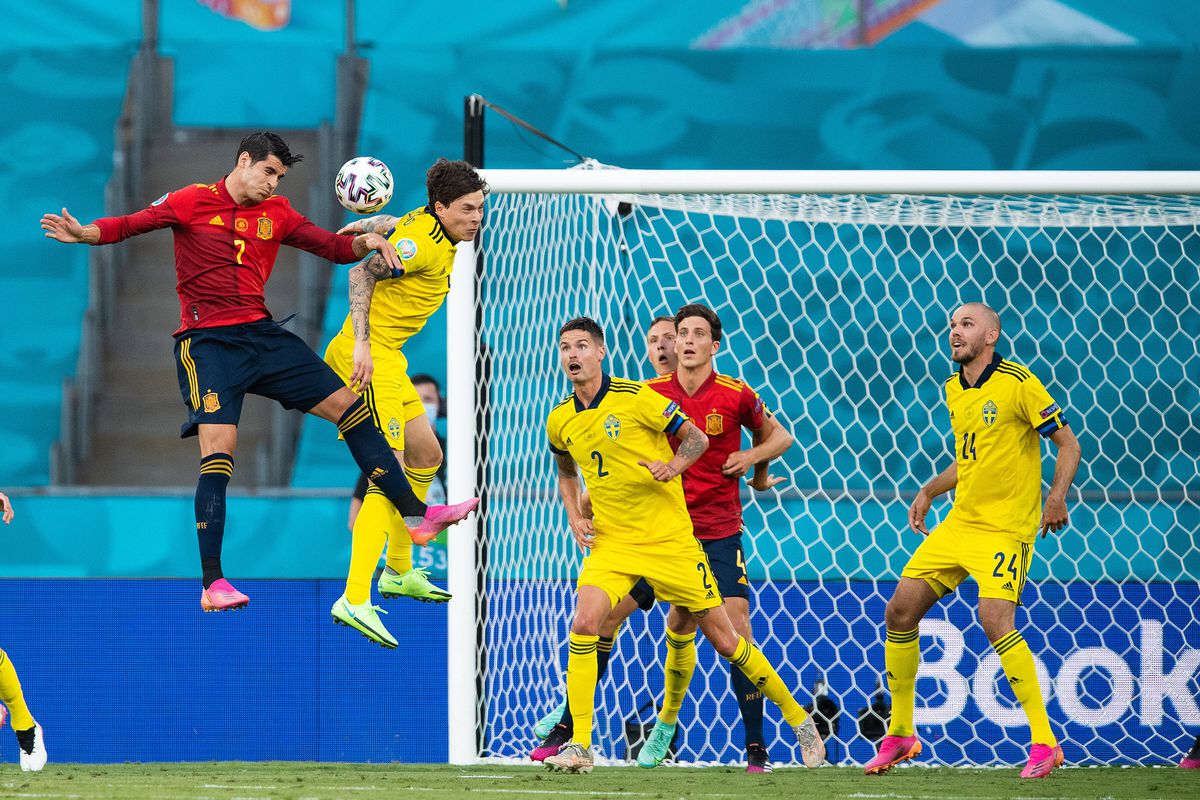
[(627, 422), (996, 426), (400, 305)]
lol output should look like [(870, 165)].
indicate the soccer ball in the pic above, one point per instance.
[(364, 185)]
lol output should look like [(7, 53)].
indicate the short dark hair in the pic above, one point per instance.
[(446, 181), (422, 377), (704, 312), (264, 143), (585, 324), (661, 318)]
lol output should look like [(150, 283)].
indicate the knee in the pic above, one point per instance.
[(995, 626), (899, 616), (586, 624)]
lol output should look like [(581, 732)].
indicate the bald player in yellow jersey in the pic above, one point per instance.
[(616, 432), (999, 412), (387, 307)]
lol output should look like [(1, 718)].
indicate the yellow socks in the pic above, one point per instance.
[(1021, 672), (399, 549), (420, 479), (754, 665), (10, 695), (375, 519), (901, 657), (581, 685), (677, 673)]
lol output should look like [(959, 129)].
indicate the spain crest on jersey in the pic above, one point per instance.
[(989, 413), (612, 426), (714, 424), (265, 228), (211, 403)]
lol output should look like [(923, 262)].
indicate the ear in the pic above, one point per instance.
[(716, 346), (992, 336), (243, 160), (438, 208)]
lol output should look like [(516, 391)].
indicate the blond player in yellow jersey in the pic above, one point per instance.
[(30, 741), (999, 411), (616, 432), (388, 306)]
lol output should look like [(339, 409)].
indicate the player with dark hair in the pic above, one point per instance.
[(617, 431), (706, 487), (30, 741), (227, 235), (999, 412), (389, 303)]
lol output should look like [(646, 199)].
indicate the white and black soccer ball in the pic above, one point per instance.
[(364, 185)]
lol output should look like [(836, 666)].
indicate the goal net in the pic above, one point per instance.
[(835, 308)]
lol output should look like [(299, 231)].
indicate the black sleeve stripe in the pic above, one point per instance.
[(1015, 366), (1014, 373), (557, 452), (676, 423)]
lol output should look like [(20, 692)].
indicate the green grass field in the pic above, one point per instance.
[(238, 781)]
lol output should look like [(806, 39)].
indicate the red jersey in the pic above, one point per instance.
[(721, 407), (224, 252)]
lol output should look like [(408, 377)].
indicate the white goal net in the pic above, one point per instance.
[(835, 308)]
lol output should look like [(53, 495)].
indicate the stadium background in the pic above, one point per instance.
[(97, 593)]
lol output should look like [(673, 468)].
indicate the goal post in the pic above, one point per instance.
[(834, 289)]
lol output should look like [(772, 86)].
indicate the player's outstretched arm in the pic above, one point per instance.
[(6, 508), (363, 277), (946, 480), (1066, 464), (383, 224), (65, 228), (568, 488), (692, 444)]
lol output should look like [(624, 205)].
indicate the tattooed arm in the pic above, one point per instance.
[(692, 444), (380, 223), (363, 277)]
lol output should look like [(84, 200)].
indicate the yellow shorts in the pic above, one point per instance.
[(949, 554), (391, 397), (676, 568)]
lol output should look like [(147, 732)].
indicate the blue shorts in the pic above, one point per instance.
[(728, 564), (643, 593), (218, 366)]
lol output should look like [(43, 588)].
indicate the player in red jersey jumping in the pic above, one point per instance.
[(227, 235)]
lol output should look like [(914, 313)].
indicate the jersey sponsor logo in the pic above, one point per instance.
[(612, 426), (394, 428), (989, 413), (670, 409), (265, 228), (1050, 410), (378, 473), (216, 220), (714, 424), (211, 403), (569, 442), (160, 201), (241, 225), (406, 249)]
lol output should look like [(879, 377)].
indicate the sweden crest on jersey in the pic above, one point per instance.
[(989, 413), (612, 426)]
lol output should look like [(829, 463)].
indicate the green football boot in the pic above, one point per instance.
[(414, 583), (364, 618), (657, 744)]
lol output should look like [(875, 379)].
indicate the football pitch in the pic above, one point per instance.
[(298, 781)]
